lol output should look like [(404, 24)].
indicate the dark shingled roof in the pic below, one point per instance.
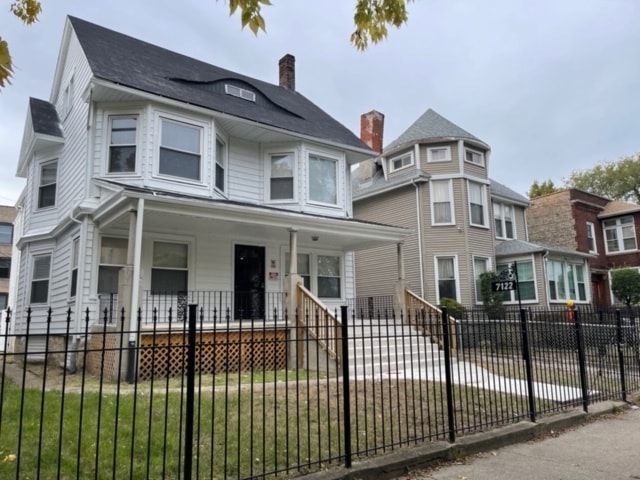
[(44, 118), (504, 192), (431, 125), (140, 65)]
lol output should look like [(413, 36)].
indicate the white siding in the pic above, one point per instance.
[(245, 176)]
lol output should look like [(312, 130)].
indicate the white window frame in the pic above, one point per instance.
[(456, 275), (499, 215), (34, 279), (591, 238), (431, 159), (239, 92), (220, 166), (474, 153), (294, 176), (9, 228), (75, 257), (513, 298), (41, 186), (186, 268), (338, 162), (619, 229), (405, 159), (311, 279), (101, 260), (476, 276), (568, 279), (483, 194), (450, 199), (109, 120), (162, 117)]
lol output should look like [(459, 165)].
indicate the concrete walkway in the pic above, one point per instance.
[(470, 374), (607, 449)]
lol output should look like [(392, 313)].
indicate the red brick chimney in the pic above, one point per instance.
[(371, 129), (288, 71)]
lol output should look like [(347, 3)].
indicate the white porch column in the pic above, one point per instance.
[(291, 292), (398, 301), (293, 251), (134, 255)]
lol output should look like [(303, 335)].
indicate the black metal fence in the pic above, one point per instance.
[(259, 398)]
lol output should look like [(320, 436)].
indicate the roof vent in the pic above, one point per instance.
[(239, 92)]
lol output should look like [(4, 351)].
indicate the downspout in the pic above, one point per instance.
[(419, 224)]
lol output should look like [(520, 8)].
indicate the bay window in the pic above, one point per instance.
[(180, 150), (441, 202), (47, 186), (113, 256), (503, 220), (446, 277), (281, 182), (323, 179), (221, 163), (480, 266), (566, 281), (40, 276), (122, 144), (477, 203)]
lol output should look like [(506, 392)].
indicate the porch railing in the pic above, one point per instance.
[(321, 324), (421, 312)]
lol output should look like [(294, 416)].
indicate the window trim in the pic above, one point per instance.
[(221, 164), (294, 175), (161, 117), (456, 273), (8, 260), (564, 264), (34, 258), (42, 165), (503, 221), (452, 209), (11, 232), (513, 294), (239, 92), (591, 237), (404, 165), (110, 116), (102, 264), (338, 162), (473, 151), (618, 228), (483, 193), (430, 151), (313, 269), (188, 269), (476, 276)]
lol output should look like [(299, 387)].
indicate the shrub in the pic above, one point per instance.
[(454, 308)]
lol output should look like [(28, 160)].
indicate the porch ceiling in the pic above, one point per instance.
[(192, 216)]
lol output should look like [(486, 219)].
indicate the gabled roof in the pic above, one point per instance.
[(44, 118), (500, 191), (130, 62), (432, 125)]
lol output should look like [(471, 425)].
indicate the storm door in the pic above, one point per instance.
[(249, 282)]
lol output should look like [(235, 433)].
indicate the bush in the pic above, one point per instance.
[(454, 308), (491, 300)]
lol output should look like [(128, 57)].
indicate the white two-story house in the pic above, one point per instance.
[(154, 179)]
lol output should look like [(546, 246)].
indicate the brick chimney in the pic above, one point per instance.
[(288, 71), (371, 129)]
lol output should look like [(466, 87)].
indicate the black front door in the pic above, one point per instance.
[(249, 282)]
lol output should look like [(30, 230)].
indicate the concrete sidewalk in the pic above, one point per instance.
[(601, 445), (607, 449)]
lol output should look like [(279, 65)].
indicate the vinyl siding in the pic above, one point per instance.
[(245, 176), (440, 168)]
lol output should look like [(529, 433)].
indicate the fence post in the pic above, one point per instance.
[(448, 376), (581, 361), (526, 356), (346, 387), (191, 369), (619, 340)]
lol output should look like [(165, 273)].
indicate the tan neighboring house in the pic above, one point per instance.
[(7, 217), (434, 179), (604, 230)]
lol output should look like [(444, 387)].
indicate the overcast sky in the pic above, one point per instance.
[(551, 85)]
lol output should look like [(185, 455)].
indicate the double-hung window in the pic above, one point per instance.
[(281, 182), (5, 267), (122, 144), (591, 238), (180, 150), (480, 266), (6, 233), (47, 186), (446, 274), (169, 272), (323, 179), (503, 220), (620, 234), (329, 276), (40, 278), (303, 267), (221, 163), (113, 256), (74, 267), (439, 154), (441, 202), (477, 204)]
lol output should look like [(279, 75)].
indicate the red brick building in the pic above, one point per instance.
[(577, 220)]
